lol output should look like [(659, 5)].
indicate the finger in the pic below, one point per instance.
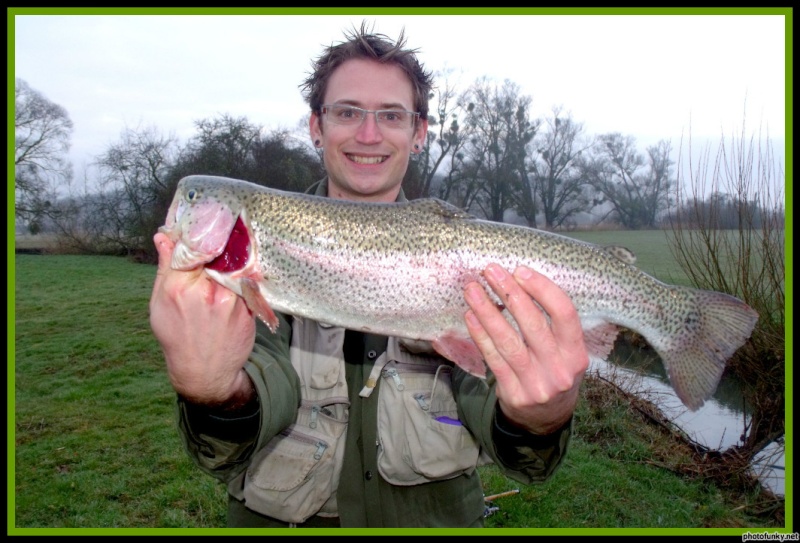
[(565, 322), (490, 330), (531, 320)]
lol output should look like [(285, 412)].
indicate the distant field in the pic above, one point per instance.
[(27, 241), (651, 248)]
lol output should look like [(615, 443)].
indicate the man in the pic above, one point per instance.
[(319, 426)]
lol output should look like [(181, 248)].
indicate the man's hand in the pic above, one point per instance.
[(205, 330), (538, 369)]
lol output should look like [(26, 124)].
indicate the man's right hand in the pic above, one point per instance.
[(206, 332)]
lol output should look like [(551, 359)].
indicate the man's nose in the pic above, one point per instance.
[(370, 130)]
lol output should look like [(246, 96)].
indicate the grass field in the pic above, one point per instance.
[(95, 443)]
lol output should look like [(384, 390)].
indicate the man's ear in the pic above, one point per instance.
[(420, 133), (315, 127)]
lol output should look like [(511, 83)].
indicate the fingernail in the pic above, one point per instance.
[(523, 273), (473, 292), (495, 272)]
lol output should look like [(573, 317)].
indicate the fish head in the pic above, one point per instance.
[(202, 220)]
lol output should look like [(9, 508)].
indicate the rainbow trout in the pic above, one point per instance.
[(400, 270)]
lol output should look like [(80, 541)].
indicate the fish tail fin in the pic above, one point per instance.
[(714, 326)]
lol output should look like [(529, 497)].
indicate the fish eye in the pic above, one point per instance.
[(192, 195)]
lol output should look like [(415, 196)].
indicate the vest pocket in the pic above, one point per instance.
[(420, 436), (295, 474)]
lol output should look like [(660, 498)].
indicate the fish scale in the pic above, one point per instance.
[(400, 270)]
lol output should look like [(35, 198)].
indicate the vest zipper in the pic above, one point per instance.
[(309, 440)]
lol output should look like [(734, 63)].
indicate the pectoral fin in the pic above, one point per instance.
[(462, 351), (257, 304)]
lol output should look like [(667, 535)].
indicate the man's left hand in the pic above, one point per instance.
[(540, 367)]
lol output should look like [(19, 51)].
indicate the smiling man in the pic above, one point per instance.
[(320, 426)]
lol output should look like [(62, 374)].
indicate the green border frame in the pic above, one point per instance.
[(11, 12)]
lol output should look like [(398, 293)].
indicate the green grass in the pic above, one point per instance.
[(619, 473), (95, 437), (96, 444)]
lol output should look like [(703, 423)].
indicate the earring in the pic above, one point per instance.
[(316, 143), (416, 147)]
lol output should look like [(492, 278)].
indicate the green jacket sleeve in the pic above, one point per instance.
[(524, 457), (221, 444)]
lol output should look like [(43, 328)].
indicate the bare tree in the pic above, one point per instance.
[(558, 185), (497, 118), (614, 169), (42, 131), (444, 140), (136, 184), (224, 146)]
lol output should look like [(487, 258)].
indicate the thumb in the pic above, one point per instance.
[(164, 246)]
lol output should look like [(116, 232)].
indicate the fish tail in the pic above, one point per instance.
[(714, 325)]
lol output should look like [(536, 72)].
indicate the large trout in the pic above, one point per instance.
[(400, 270)]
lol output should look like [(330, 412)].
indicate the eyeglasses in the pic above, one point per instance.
[(354, 116)]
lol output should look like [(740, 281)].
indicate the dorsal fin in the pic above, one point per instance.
[(440, 207), (621, 253)]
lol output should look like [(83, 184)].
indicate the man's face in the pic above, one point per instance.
[(367, 161)]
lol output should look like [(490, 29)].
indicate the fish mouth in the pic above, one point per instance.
[(362, 159), (236, 253)]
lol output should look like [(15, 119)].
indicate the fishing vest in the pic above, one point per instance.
[(296, 474)]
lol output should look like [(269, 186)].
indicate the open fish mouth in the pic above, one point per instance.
[(236, 252)]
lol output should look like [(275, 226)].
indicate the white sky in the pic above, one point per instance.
[(649, 76)]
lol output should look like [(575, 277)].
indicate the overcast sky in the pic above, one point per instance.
[(649, 76)]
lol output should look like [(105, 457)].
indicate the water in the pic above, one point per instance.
[(718, 425)]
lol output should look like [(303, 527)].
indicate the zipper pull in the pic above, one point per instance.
[(392, 372), (320, 450), (314, 413), (420, 397)]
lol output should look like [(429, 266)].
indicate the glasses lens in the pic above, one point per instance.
[(393, 118), (345, 114)]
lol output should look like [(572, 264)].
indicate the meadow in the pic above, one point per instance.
[(95, 445)]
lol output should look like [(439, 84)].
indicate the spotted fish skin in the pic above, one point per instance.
[(400, 270)]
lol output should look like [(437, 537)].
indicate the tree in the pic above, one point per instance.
[(499, 130), (233, 147), (614, 169), (136, 187), (223, 146), (42, 131), (443, 142), (280, 163), (557, 180)]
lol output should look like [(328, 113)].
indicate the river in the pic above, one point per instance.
[(719, 424)]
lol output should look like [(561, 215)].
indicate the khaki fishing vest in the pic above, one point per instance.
[(420, 437)]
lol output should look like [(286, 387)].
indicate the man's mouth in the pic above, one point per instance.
[(360, 159)]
